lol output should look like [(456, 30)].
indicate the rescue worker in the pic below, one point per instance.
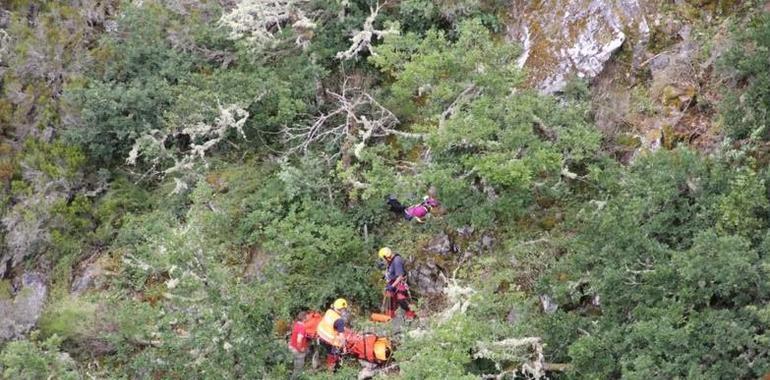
[(331, 332), (396, 288), (299, 343), (417, 212)]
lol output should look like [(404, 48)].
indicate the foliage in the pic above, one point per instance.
[(500, 141), (675, 289), (37, 360), (460, 342), (227, 162), (135, 86), (68, 318), (745, 110), (45, 50)]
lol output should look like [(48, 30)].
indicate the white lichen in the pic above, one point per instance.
[(258, 22), (362, 40), (155, 150)]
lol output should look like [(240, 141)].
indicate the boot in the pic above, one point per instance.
[(331, 362)]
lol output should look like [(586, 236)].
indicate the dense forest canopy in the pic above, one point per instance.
[(178, 179)]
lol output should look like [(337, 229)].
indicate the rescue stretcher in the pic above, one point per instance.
[(368, 346)]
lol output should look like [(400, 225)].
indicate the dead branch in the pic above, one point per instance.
[(527, 351), (356, 118), (536, 241)]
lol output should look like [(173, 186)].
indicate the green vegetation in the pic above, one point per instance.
[(214, 186), (37, 360), (745, 110), (676, 258)]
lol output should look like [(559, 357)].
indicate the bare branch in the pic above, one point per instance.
[(528, 351), (356, 118)]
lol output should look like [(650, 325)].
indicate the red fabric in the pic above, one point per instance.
[(311, 324), (299, 328), (402, 291), (331, 361)]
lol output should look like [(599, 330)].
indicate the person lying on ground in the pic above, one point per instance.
[(418, 212)]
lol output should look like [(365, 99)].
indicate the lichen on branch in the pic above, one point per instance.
[(158, 149), (362, 40), (258, 22)]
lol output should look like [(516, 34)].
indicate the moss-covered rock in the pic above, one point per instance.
[(21, 313)]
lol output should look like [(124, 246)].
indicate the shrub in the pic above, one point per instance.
[(675, 276), (29, 360), (745, 111)]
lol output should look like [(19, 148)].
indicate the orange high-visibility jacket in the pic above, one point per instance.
[(326, 328)]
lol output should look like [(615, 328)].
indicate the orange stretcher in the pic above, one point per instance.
[(367, 346)]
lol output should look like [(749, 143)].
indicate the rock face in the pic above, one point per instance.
[(548, 304), (94, 273), (24, 237), (26, 225), (258, 259), (441, 245), (427, 278), (561, 38), (20, 313)]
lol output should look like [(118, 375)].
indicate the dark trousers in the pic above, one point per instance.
[(396, 206)]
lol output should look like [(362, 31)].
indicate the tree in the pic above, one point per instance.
[(481, 127), (677, 294)]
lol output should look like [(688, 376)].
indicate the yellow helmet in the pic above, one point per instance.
[(340, 303), (385, 253), (382, 349)]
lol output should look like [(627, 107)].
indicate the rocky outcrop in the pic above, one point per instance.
[(428, 279), (514, 316), (561, 38), (27, 223), (24, 235), (441, 244), (21, 312), (93, 275), (681, 82), (548, 304)]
